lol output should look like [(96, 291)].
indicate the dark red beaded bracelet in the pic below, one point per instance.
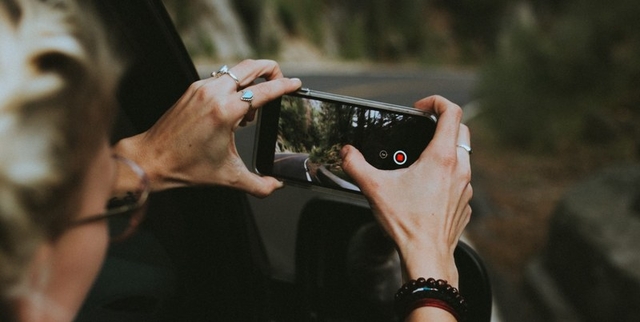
[(430, 292)]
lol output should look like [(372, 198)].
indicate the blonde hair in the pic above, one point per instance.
[(58, 79)]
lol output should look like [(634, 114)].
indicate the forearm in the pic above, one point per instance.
[(133, 148), (428, 314), (428, 263)]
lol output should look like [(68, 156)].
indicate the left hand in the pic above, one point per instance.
[(424, 208), (194, 142)]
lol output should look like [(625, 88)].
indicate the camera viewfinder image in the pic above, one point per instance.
[(312, 132)]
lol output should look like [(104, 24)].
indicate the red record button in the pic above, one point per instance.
[(400, 157)]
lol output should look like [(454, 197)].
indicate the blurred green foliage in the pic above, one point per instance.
[(390, 30), (474, 25), (433, 31), (553, 73), (296, 130), (374, 29), (567, 73)]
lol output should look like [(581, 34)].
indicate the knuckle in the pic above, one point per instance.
[(204, 93), (193, 87), (269, 62), (447, 158), (456, 111), (248, 61), (439, 98), (466, 174)]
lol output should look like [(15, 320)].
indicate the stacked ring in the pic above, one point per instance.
[(466, 148), (224, 70)]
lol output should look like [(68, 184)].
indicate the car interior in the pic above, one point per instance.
[(199, 255)]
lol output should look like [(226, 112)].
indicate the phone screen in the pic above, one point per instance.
[(299, 139)]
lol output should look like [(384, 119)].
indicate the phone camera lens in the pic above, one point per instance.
[(383, 154)]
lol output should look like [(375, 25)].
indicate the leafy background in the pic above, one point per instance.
[(558, 84)]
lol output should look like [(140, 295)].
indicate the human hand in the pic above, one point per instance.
[(193, 143), (425, 207)]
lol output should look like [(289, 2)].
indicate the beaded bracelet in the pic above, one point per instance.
[(430, 292)]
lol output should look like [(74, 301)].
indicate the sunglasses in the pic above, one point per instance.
[(127, 206)]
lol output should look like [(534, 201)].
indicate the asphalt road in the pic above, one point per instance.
[(400, 85), (292, 165)]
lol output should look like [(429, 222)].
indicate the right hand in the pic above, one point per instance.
[(194, 141), (425, 207)]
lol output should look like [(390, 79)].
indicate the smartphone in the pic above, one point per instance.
[(299, 137)]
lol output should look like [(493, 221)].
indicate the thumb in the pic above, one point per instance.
[(259, 186), (355, 165)]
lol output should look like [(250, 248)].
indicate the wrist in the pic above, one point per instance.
[(428, 261), (430, 293), (132, 148)]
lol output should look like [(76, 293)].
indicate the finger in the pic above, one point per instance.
[(465, 197), (464, 136), (449, 116), (268, 91), (356, 167), (248, 118), (245, 73), (249, 70), (224, 80), (464, 156)]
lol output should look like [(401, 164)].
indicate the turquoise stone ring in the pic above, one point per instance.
[(247, 96)]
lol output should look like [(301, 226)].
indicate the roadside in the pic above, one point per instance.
[(519, 191), (515, 192)]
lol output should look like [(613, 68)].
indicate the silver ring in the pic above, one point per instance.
[(224, 70), (247, 96), (465, 147)]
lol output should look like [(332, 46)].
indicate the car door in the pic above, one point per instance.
[(197, 256)]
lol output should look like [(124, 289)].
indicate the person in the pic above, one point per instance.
[(58, 170)]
